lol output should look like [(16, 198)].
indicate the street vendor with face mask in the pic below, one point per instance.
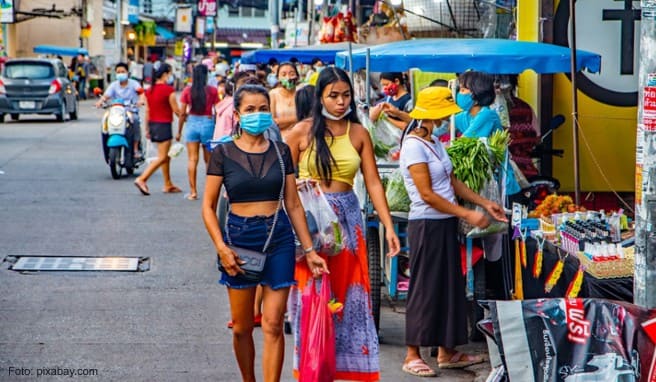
[(397, 101)]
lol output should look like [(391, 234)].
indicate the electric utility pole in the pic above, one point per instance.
[(644, 286)]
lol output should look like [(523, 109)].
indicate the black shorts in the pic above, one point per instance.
[(160, 131)]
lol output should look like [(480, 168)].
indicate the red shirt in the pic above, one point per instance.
[(159, 108), (211, 98)]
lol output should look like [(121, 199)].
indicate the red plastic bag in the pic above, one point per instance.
[(317, 363), (477, 254)]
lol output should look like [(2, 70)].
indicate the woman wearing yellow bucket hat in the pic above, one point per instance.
[(437, 284)]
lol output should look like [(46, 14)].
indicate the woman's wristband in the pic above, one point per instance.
[(308, 250)]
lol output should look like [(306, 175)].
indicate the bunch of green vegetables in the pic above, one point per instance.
[(498, 144), (474, 160)]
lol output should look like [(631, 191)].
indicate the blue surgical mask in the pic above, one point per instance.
[(122, 77), (255, 123), (465, 101), (440, 130), (170, 80)]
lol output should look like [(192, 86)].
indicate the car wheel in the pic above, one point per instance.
[(14, 116), (62, 112), (2, 118), (73, 114)]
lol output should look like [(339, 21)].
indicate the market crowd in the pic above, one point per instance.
[(264, 130)]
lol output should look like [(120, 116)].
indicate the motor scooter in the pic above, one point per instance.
[(116, 125)]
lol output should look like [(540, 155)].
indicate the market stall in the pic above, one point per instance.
[(447, 56)]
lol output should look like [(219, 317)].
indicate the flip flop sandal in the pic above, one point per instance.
[(172, 190), (461, 360), (142, 188), (190, 197), (418, 368)]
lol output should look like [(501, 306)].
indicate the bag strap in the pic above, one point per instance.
[(426, 144), (278, 208)]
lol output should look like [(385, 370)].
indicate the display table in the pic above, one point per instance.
[(613, 289)]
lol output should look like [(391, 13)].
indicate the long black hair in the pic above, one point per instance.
[(324, 158), (162, 69), (199, 89), (304, 101)]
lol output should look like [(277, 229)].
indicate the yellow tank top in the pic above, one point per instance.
[(346, 157)]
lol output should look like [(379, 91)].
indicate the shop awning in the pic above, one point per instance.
[(305, 54), (164, 33), (59, 50), (237, 36)]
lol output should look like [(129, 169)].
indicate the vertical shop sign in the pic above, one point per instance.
[(133, 11), (200, 28), (206, 8), (183, 20), (7, 15)]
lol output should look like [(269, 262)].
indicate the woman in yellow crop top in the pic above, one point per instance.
[(330, 148)]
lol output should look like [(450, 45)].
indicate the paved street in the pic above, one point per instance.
[(167, 324)]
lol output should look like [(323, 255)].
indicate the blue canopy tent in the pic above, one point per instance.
[(450, 55), (305, 54), (59, 50)]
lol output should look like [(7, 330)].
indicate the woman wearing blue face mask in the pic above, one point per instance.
[(160, 108), (252, 169), (475, 95)]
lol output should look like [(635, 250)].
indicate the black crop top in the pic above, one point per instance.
[(250, 177)]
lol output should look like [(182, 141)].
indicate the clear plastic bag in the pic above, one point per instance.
[(491, 192), (385, 136), (151, 151), (326, 232), (396, 193)]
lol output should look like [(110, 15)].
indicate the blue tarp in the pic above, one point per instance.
[(59, 50), (447, 55), (305, 54)]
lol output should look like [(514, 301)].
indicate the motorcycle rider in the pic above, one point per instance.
[(131, 92)]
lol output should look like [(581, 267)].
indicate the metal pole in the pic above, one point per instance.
[(367, 79), (575, 101), (118, 31), (296, 15), (214, 30), (644, 285)]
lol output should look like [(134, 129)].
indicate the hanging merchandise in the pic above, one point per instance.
[(338, 28), (555, 273), (575, 285), (537, 259), (522, 246), (518, 292)]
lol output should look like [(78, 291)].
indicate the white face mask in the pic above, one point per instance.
[(326, 114)]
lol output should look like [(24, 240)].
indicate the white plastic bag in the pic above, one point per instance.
[(176, 149)]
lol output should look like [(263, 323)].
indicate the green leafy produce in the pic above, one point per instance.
[(397, 195), (471, 162), (498, 144)]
